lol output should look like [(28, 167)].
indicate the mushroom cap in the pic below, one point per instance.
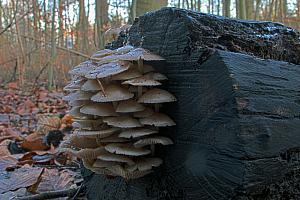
[(142, 81), (82, 142), (91, 85), (145, 113), (122, 122), (115, 158), (140, 53), (124, 49), (87, 123), (72, 86), (79, 102), (153, 140), (128, 106), (108, 69), (102, 53), (156, 76), (99, 109), (112, 139), (158, 120), (145, 164), (120, 171), (104, 164), (126, 149), (112, 93), (75, 112), (129, 74), (79, 95), (82, 68), (97, 133), (136, 132), (156, 95), (87, 153)]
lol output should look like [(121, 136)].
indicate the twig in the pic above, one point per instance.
[(57, 166), (51, 194)]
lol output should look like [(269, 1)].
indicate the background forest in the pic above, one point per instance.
[(41, 39)]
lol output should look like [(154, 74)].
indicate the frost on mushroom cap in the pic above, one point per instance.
[(145, 113), (128, 106), (99, 109), (73, 86), (112, 93), (82, 68), (124, 49), (153, 140), (158, 120), (156, 95), (138, 53), (136, 132), (96, 133), (129, 74), (102, 53), (142, 81), (91, 85), (116, 158), (126, 149), (122, 122), (108, 69)]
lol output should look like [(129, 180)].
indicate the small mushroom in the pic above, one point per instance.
[(115, 158), (126, 149), (145, 164), (145, 113), (79, 102), (153, 140), (156, 95), (104, 164), (99, 109), (138, 53), (158, 120), (79, 95), (122, 122), (128, 106), (82, 142), (82, 68), (136, 132), (91, 85), (112, 139), (124, 49), (102, 53), (87, 153), (156, 76), (108, 69), (87, 123), (129, 74), (97, 133), (112, 93), (142, 81)]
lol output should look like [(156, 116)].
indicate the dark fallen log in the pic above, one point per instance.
[(237, 115)]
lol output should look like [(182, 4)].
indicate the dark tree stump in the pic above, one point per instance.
[(237, 115)]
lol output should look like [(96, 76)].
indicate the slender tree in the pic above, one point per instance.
[(101, 21), (226, 8), (53, 48)]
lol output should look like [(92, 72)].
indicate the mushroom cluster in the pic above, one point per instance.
[(115, 106)]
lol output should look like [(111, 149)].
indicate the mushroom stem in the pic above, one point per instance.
[(141, 69), (102, 88)]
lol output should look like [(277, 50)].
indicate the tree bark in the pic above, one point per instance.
[(53, 49), (242, 9), (226, 7), (101, 21)]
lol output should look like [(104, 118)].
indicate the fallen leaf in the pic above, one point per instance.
[(8, 161), (20, 178), (3, 148)]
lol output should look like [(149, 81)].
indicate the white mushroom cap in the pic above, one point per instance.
[(124, 49), (82, 68), (115, 158), (97, 133), (122, 122), (79, 95), (157, 96), (158, 119), (91, 85), (136, 132), (145, 113), (108, 69), (129, 74), (99, 109), (102, 53), (142, 81), (113, 139), (126, 149), (112, 93), (156, 76), (138, 53), (153, 140), (72, 86), (128, 106), (145, 164)]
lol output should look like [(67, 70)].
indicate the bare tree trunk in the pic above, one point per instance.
[(1, 23), (61, 22), (53, 49), (257, 7), (271, 8), (199, 5), (101, 21), (35, 20), (298, 9), (226, 8), (242, 9), (250, 9)]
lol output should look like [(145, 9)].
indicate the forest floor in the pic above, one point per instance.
[(33, 122)]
